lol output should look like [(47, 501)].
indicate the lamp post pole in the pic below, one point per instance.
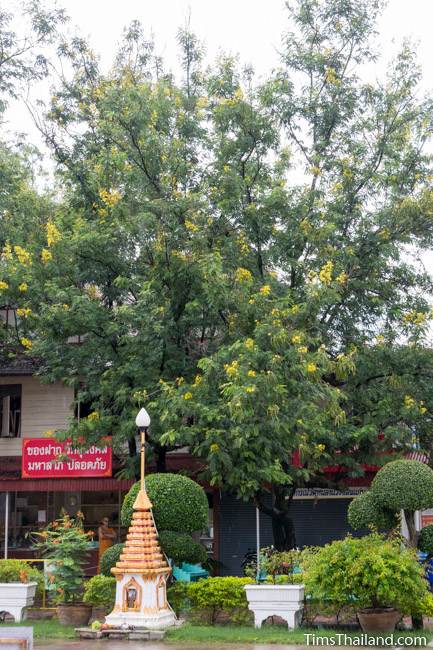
[(143, 421)]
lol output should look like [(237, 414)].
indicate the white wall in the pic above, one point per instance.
[(43, 407)]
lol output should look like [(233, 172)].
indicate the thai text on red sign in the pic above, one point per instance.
[(48, 458)]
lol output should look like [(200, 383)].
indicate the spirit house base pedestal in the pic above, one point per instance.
[(141, 574)]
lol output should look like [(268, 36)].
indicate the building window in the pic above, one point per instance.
[(10, 411)]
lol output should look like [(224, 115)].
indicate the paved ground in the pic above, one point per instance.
[(149, 645)]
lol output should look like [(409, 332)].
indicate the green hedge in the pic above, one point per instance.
[(425, 540), (404, 485), (181, 547), (15, 570), (100, 591), (109, 558), (179, 504), (215, 600), (364, 511)]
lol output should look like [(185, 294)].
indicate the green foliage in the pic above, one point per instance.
[(404, 485), (100, 591), (369, 571), (179, 504), (177, 596), (364, 512), (109, 558), (67, 545), (181, 547), (214, 598), (280, 566), (19, 571), (425, 540)]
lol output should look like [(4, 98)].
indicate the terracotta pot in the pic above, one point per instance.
[(76, 614), (378, 619)]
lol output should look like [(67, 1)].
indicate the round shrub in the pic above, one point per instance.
[(100, 591), (180, 547), (369, 571), (404, 485), (364, 511), (425, 540), (179, 504), (19, 571), (110, 558)]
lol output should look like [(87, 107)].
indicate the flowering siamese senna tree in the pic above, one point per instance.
[(241, 255)]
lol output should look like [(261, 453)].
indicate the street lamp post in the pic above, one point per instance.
[(143, 421)]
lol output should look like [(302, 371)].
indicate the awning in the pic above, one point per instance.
[(65, 485)]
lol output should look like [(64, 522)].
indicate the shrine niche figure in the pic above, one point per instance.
[(131, 597)]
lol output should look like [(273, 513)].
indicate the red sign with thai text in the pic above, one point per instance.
[(48, 458)]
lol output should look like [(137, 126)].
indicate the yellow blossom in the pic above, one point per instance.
[(197, 380), (251, 373), (311, 367), (226, 168), (66, 307), (249, 344), (7, 252), (265, 290), (201, 103), (409, 401), (24, 311), (232, 368), (331, 77), (415, 317), (180, 381), (191, 226), (325, 274), (296, 339), (295, 309), (342, 278), (214, 448), (24, 257), (26, 343), (243, 275), (110, 197), (320, 447), (46, 255), (250, 389), (53, 234), (303, 349), (93, 416), (23, 287), (187, 396), (3, 285)]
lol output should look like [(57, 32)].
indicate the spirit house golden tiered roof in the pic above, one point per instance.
[(142, 552), (142, 569)]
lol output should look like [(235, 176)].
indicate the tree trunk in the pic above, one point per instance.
[(283, 528)]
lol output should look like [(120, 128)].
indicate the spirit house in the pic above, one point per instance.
[(142, 571)]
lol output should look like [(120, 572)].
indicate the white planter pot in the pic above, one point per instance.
[(286, 601), (15, 597)]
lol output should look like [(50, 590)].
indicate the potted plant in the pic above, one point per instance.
[(100, 594), (282, 593), (378, 576), (18, 585), (66, 545)]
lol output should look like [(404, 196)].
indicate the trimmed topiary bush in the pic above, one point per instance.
[(214, 600), (404, 485), (100, 591), (425, 540), (179, 504), (364, 512), (180, 547), (109, 558)]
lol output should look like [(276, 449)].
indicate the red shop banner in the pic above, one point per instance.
[(48, 458)]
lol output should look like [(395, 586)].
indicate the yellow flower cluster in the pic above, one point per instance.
[(53, 234), (24, 311), (265, 290), (411, 403), (415, 317), (7, 252), (251, 373), (46, 255), (342, 278), (110, 197), (24, 257), (331, 77), (191, 226), (23, 287), (296, 339), (243, 275), (3, 285), (201, 103), (325, 273), (214, 448), (232, 368), (250, 389), (249, 344), (311, 367), (197, 380), (26, 343), (93, 416), (303, 349), (187, 396)]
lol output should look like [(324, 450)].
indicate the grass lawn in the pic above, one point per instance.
[(269, 634), (45, 629)]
